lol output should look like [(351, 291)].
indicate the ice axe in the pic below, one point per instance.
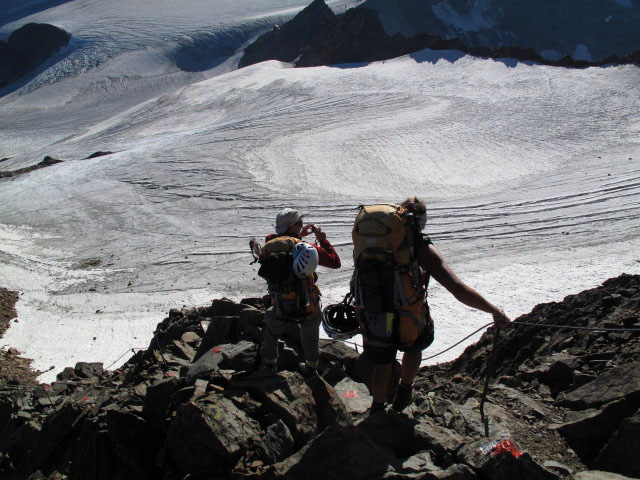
[(255, 250)]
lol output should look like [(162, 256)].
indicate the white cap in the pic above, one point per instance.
[(286, 218)]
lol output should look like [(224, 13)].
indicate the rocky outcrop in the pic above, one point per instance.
[(194, 404), (358, 36), (27, 47), (46, 162), (593, 30), (585, 382), (98, 154), (13, 368), (288, 42)]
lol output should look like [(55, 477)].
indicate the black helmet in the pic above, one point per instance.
[(339, 320)]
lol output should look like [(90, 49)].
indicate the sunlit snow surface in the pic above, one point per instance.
[(531, 173)]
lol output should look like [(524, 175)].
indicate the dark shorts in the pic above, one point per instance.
[(382, 355)]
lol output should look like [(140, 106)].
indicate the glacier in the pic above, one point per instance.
[(530, 172)]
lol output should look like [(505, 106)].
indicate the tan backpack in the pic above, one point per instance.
[(388, 282)]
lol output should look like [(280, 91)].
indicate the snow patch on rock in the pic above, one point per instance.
[(582, 53)]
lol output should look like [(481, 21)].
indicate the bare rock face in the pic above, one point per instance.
[(27, 47), (287, 43), (565, 402)]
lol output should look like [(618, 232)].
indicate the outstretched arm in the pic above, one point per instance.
[(440, 270)]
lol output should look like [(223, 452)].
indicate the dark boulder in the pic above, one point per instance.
[(330, 409), (338, 452), (133, 442), (208, 435), (406, 436), (157, 402), (224, 307), (286, 396), (207, 363), (589, 432), (240, 356), (337, 352), (615, 384), (54, 432), (276, 443), (220, 329), (622, 453), (27, 47), (88, 370)]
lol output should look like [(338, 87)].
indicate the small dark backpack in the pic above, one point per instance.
[(290, 294)]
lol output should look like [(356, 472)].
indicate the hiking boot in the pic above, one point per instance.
[(403, 397), (306, 371), (376, 408), (268, 368)]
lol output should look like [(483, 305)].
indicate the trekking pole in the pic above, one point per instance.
[(490, 359)]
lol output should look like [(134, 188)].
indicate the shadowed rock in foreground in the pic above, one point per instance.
[(193, 405)]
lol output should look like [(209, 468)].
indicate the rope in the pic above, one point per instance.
[(133, 350), (458, 343), (575, 327), (542, 325)]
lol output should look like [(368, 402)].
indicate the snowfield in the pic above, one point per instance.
[(531, 173)]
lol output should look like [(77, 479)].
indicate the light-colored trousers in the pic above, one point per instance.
[(309, 336)]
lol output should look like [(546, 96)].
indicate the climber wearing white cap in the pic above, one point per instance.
[(295, 298)]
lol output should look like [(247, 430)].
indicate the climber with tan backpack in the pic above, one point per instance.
[(393, 262), (288, 265)]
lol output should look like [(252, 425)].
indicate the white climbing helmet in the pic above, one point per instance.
[(305, 259)]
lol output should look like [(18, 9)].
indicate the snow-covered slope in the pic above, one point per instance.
[(589, 31), (531, 173)]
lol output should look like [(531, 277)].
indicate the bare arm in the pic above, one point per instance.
[(446, 277)]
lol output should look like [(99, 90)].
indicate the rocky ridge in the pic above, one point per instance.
[(27, 47), (563, 404), (316, 36), (46, 162), (13, 368)]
